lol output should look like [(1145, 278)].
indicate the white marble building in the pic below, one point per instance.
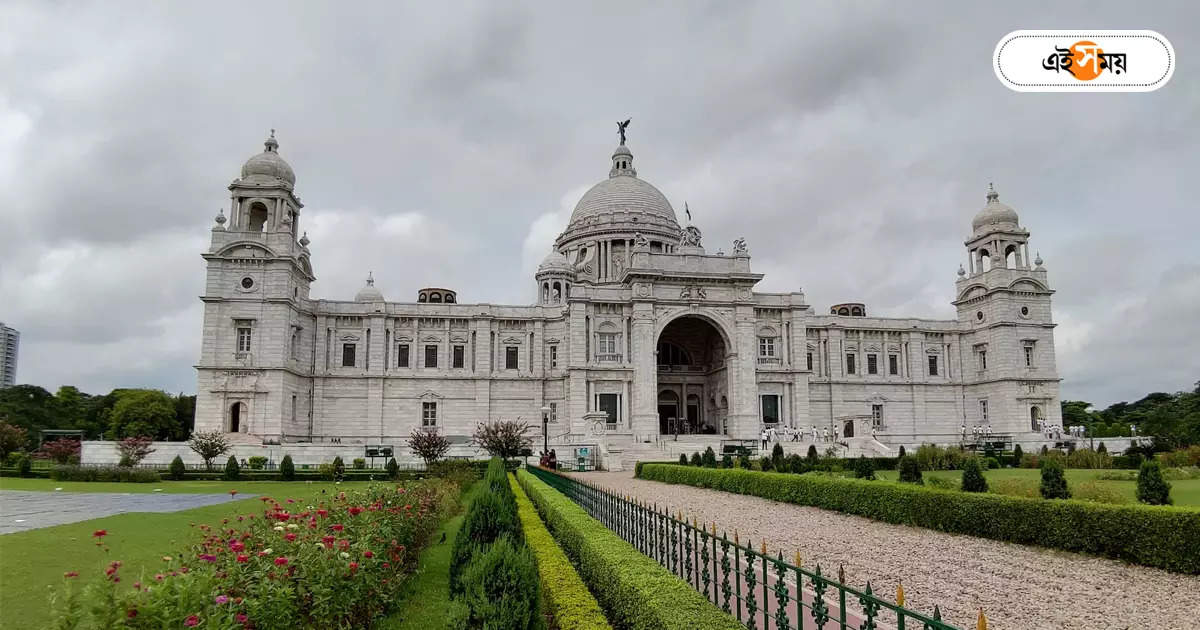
[(635, 324)]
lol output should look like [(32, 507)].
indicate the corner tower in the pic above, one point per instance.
[(1008, 360)]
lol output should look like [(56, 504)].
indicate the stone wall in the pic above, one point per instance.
[(105, 452)]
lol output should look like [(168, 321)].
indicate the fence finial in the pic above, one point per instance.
[(842, 574), (763, 548), (714, 528), (900, 593), (798, 559), (982, 623), (735, 537)]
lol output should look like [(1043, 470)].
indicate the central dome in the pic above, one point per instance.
[(623, 193), (266, 167)]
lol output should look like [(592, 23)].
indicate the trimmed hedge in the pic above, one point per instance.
[(567, 597), (634, 590), (68, 472), (1155, 536)]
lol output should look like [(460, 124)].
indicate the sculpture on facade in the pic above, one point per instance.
[(689, 236), (739, 247), (621, 128), (640, 241)]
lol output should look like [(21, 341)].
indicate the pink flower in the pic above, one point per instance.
[(192, 621), (355, 510), (71, 574), (280, 561), (368, 554), (337, 528), (237, 546), (241, 557), (353, 568), (322, 512), (241, 617), (221, 599), (290, 537), (131, 613), (100, 533), (291, 500)]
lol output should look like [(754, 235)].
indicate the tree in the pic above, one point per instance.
[(393, 469), (209, 445), (709, 458), (185, 416), (683, 460), (134, 449), (62, 450), (143, 412), (177, 469), (1152, 488), (864, 468), (1102, 448), (29, 407), (287, 469), (972, 476), (777, 456), (503, 438), (12, 438), (428, 444), (1054, 482), (901, 450), (73, 406), (1017, 455), (232, 471), (726, 461), (910, 471), (812, 456), (697, 461)]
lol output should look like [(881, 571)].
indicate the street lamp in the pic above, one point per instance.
[(545, 429)]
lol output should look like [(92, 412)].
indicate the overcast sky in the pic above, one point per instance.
[(446, 144)]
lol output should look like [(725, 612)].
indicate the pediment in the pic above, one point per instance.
[(246, 249), (349, 337), (430, 394)]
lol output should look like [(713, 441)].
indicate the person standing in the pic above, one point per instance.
[(762, 439), (962, 431)]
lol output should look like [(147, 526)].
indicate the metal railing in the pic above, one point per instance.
[(759, 590)]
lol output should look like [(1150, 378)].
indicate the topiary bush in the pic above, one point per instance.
[(1152, 488), (864, 468), (726, 461), (743, 461), (765, 465), (812, 456), (910, 472), (709, 458), (258, 462), (991, 463), (492, 514), (697, 460), (901, 450), (392, 468), (1099, 449), (795, 464), (339, 468), (125, 474), (683, 460), (287, 469), (501, 588), (1017, 455), (359, 463), (777, 457), (1054, 482), (972, 476), (177, 469), (24, 465), (232, 470)]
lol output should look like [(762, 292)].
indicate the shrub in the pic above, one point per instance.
[(696, 460), (501, 588), (135, 449), (62, 451), (1100, 449), (24, 465), (795, 464), (683, 460), (902, 450), (972, 476), (287, 469), (992, 463), (12, 439), (777, 457), (392, 468), (812, 456), (1151, 487), (634, 590), (258, 462), (1181, 457), (492, 514), (232, 471), (359, 463), (1164, 537), (726, 461), (125, 462), (1045, 449), (428, 444), (910, 472), (743, 461), (565, 595), (209, 445), (75, 472), (933, 457), (764, 464), (709, 458), (1087, 458), (1054, 483), (457, 471), (1017, 455), (176, 470), (864, 468), (339, 468)]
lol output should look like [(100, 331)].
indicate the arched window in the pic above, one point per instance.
[(545, 291), (843, 311), (257, 217), (421, 297), (435, 297), (1035, 418), (985, 260), (449, 298), (671, 354), (236, 411), (557, 292), (856, 311), (1010, 257)]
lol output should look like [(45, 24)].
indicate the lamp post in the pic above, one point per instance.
[(545, 429)]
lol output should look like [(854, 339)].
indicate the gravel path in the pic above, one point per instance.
[(1018, 587), (21, 510)]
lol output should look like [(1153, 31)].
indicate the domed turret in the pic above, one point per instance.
[(555, 261), (369, 293), (995, 213), (267, 167)]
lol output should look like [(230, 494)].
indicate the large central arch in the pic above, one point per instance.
[(692, 376)]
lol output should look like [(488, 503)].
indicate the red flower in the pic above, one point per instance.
[(355, 510), (131, 613), (237, 546), (290, 537), (241, 557), (192, 621), (322, 512), (100, 533), (368, 554), (337, 528), (343, 544), (328, 540), (241, 617), (291, 500), (233, 493), (71, 574), (353, 568), (280, 561)]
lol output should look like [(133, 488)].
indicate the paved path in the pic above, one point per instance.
[(1019, 587), (21, 510)]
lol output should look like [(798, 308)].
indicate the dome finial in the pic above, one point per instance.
[(992, 195), (370, 278), (304, 240), (1037, 262), (220, 216), (271, 144)]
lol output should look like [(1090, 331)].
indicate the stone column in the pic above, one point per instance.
[(645, 376)]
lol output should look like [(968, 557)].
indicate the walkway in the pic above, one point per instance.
[(1019, 587), (21, 510)]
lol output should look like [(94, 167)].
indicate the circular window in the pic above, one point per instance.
[(1024, 311), (247, 282), (979, 316)]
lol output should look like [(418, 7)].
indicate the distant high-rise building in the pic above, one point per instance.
[(9, 340)]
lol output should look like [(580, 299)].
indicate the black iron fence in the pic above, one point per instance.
[(760, 590)]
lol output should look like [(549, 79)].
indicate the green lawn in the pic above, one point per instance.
[(427, 598), (1185, 492), (35, 560)]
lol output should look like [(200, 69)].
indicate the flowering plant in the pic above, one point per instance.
[(336, 563)]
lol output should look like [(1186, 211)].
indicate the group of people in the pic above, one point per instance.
[(771, 434), (548, 460), (979, 431)]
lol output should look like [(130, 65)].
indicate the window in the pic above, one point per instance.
[(553, 411), (606, 347), (982, 359), (247, 282), (983, 412), (431, 356), (243, 339), (766, 346), (809, 358), (933, 365), (893, 364), (402, 355), (294, 348), (876, 416), (510, 357), (872, 364), (671, 354), (1029, 354), (348, 350), (553, 357), (459, 357), (770, 408), (429, 414), (611, 405), (849, 363)]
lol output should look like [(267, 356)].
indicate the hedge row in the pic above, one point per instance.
[(1154, 536), (566, 596), (634, 590)]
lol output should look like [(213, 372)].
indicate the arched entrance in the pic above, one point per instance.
[(692, 377), (848, 429), (237, 416)]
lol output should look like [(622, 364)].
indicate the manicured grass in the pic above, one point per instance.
[(35, 560), (271, 488), (426, 601), (1185, 492)]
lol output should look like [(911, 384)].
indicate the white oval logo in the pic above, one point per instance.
[(1084, 61)]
